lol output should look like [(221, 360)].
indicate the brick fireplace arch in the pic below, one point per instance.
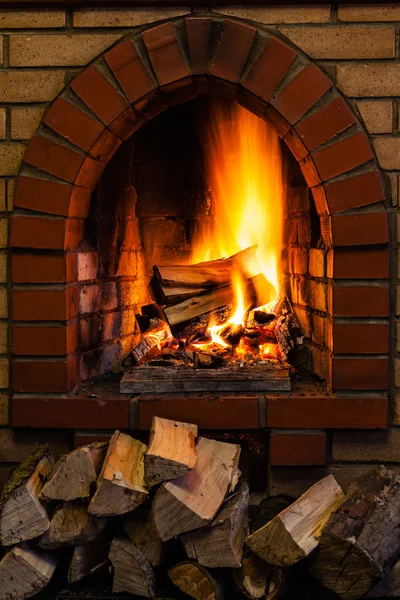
[(167, 65)]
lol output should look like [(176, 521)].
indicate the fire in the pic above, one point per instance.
[(244, 168)]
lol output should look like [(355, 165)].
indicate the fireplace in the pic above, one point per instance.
[(113, 182)]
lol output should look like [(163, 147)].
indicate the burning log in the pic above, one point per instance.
[(120, 487), (25, 571), (215, 273), (257, 291), (192, 501), (74, 473), (133, 573), (171, 451), (362, 538), (86, 559), (71, 524), (23, 516), (221, 543), (195, 581), (152, 339), (294, 533)]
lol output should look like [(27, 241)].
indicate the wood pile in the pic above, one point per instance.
[(175, 516)]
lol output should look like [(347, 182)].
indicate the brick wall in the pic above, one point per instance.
[(42, 51)]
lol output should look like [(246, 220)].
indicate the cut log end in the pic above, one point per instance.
[(195, 581), (133, 573), (25, 571)]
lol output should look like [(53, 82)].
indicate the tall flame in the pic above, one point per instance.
[(244, 169)]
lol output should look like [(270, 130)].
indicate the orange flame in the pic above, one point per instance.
[(244, 166)]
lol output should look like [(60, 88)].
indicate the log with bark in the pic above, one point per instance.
[(294, 533), (220, 544), (361, 540), (195, 581), (25, 571), (140, 529), (192, 500), (171, 450), (153, 337), (133, 573), (120, 486), (71, 524), (87, 559), (23, 516), (75, 473), (257, 291)]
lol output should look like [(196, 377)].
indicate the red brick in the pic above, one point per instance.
[(359, 301), (295, 145), (180, 91), (129, 71), (328, 121), (343, 156), (43, 268), (253, 103), (327, 412), (45, 305), (360, 338), (360, 373), (165, 53), (198, 31), (206, 411), (43, 233), (368, 263), (42, 195), (45, 340), (152, 105), (73, 124), (99, 94), (53, 158), (360, 230), (319, 196), (355, 191), (221, 87), (44, 375), (301, 93), (269, 69), (275, 119), (89, 173), (126, 124), (105, 147), (232, 51), (296, 449), (103, 412)]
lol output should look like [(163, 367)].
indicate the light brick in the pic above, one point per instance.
[(343, 41), (281, 14), (3, 233), (124, 17), (381, 12), (3, 195), (4, 373), (365, 446), (57, 50), (375, 80), (17, 445), (24, 122), (398, 337), (10, 194), (3, 303), (388, 152), (377, 115), (294, 481), (4, 409), (3, 337), (348, 474), (15, 19), (3, 116), (316, 263), (3, 267), (396, 411), (30, 86), (398, 300), (397, 365), (11, 154)]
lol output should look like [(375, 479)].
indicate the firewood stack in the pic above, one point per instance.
[(118, 505)]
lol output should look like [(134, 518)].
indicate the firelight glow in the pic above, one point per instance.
[(244, 169)]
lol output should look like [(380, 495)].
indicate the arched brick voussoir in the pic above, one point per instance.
[(198, 31), (362, 229), (165, 53), (232, 50), (343, 156), (45, 233), (52, 197)]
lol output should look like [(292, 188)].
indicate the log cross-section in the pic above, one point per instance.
[(133, 573), (25, 571)]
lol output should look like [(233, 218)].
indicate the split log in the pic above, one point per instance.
[(120, 486), (25, 571), (214, 273), (171, 451), (192, 500), (75, 473), (133, 573), (151, 340), (257, 291), (195, 581), (71, 524), (141, 531), (172, 294), (362, 538), (86, 560), (221, 543), (294, 533), (23, 516)]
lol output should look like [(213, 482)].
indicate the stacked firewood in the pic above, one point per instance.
[(117, 505)]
